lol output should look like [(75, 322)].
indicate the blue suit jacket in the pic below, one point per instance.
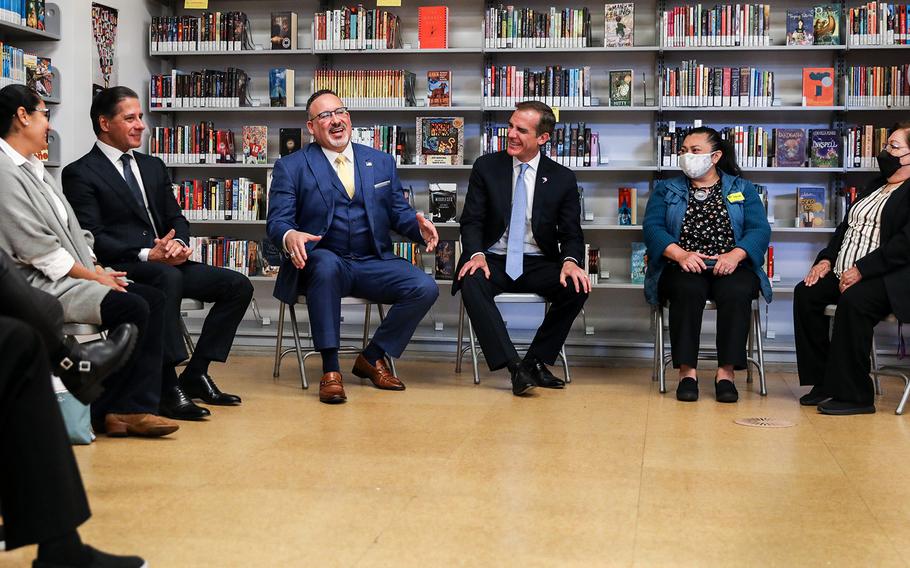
[(301, 198), (666, 211)]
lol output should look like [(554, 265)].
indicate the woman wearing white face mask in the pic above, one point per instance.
[(865, 270), (706, 234)]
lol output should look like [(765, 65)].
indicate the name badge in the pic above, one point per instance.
[(734, 197)]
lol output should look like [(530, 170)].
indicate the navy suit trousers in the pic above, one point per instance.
[(327, 278)]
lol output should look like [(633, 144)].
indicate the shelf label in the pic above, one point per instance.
[(196, 4), (388, 2)]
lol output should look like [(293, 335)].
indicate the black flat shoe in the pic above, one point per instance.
[(522, 381), (725, 391), (814, 397), (204, 388), (842, 408), (541, 375), (176, 405), (96, 559), (687, 390)]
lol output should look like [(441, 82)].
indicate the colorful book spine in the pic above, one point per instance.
[(368, 88), (355, 28), (511, 27), (725, 25), (215, 199), (697, 85), (877, 86), (506, 85), (238, 255), (212, 31)]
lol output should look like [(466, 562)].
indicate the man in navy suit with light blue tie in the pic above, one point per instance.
[(331, 207)]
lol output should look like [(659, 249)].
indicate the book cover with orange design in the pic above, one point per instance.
[(433, 27), (818, 86)]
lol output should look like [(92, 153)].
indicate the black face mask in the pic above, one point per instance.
[(889, 164)]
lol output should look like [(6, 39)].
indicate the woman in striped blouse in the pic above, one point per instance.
[(865, 270)]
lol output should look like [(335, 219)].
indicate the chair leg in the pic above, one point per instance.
[(661, 366), (750, 346), (654, 351), (459, 342), (297, 349), (389, 358), (565, 363), (187, 338), (279, 340), (759, 345), (874, 359), (473, 352), (367, 309), (905, 396)]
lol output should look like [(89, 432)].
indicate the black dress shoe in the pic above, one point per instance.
[(204, 388), (814, 397), (725, 391), (177, 405), (522, 381), (541, 375), (687, 389), (83, 366), (843, 408), (94, 558)]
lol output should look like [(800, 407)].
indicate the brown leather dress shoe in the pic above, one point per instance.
[(331, 391), (146, 425), (379, 374)]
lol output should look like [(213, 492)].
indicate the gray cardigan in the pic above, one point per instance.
[(30, 228)]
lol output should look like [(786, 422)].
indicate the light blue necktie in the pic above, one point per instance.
[(515, 249)]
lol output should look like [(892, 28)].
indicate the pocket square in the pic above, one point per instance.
[(382, 184)]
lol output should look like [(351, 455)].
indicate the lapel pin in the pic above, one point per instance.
[(543, 179), (368, 163)]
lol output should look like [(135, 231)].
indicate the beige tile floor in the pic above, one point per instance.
[(606, 473)]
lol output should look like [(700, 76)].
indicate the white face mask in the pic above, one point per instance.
[(695, 165)]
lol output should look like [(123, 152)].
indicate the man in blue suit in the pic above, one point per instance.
[(331, 207)]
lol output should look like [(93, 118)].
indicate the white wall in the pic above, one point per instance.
[(72, 56)]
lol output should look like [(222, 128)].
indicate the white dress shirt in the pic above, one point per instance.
[(114, 155), (57, 264), (530, 179), (331, 156)]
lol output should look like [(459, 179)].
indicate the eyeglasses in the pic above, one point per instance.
[(325, 115), (890, 145), (45, 111)]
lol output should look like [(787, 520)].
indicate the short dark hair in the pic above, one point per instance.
[(11, 98), (315, 96), (547, 119), (105, 104), (902, 125)]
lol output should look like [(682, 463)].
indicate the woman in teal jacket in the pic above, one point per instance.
[(706, 234)]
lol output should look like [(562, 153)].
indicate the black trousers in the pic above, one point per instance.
[(136, 388), (41, 493), (229, 291), (839, 365), (540, 276), (687, 293)]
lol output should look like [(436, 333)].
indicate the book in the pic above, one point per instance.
[(790, 147), (824, 148), (255, 144), (800, 27), (224, 147), (44, 76), (818, 86), (269, 258), (447, 254), (639, 263), (439, 88), (289, 140), (31, 13), (621, 87), (593, 263), (443, 199), (769, 262), (284, 30), (627, 206), (281, 87), (433, 27), (619, 23), (810, 204), (826, 24), (440, 140)]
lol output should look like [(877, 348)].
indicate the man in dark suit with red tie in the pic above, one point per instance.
[(521, 232), (125, 199)]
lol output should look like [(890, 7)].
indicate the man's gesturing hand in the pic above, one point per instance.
[(295, 242), (428, 232)]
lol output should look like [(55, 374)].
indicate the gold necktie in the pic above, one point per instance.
[(345, 174)]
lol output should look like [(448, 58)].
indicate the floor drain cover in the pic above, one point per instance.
[(764, 422)]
